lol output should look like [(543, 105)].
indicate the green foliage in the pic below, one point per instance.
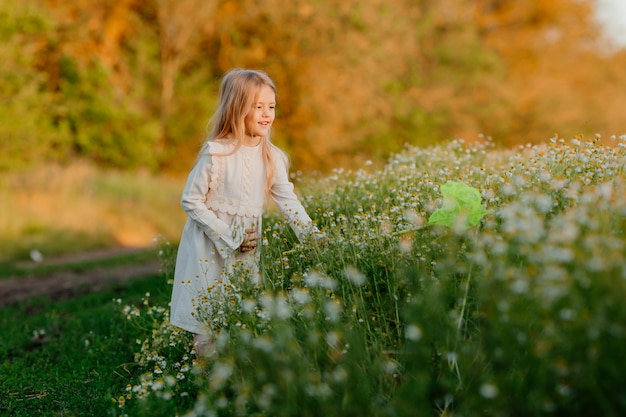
[(27, 132), (57, 107), (103, 125)]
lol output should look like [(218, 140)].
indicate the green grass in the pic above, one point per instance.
[(51, 241), (70, 358), (21, 269)]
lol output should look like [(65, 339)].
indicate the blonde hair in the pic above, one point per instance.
[(238, 91)]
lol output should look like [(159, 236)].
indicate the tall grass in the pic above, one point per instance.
[(391, 317), (59, 209)]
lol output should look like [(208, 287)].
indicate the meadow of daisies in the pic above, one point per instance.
[(521, 314)]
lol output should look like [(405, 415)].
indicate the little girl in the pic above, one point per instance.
[(224, 197)]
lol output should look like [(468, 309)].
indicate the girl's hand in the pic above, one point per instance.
[(249, 240)]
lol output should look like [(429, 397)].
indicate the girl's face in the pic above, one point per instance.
[(260, 118)]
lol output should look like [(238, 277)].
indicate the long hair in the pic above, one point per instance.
[(238, 91)]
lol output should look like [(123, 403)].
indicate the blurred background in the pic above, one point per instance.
[(104, 103)]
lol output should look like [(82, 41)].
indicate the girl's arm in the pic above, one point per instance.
[(282, 192), (193, 201)]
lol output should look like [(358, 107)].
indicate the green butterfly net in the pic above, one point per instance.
[(461, 206)]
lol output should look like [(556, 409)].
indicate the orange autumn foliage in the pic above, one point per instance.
[(133, 82)]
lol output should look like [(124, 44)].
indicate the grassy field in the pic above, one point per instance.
[(69, 358), (520, 315), (65, 209)]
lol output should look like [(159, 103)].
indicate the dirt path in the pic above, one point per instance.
[(68, 283)]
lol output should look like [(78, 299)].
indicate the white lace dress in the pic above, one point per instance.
[(224, 195)]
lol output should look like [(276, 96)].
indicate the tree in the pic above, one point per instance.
[(553, 68), (26, 132), (181, 24), (130, 83)]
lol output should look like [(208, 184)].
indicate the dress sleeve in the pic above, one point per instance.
[(282, 192), (193, 201)]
